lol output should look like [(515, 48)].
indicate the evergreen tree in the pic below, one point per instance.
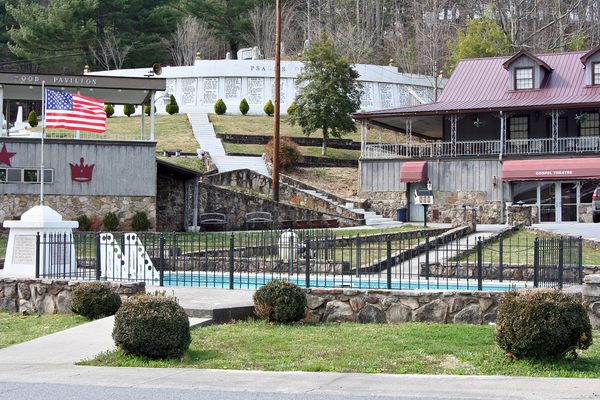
[(147, 109), (109, 110), (220, 107), (269, 108), (172, 107), (331, 92), (244, 107), (129, 109), (32, 119)]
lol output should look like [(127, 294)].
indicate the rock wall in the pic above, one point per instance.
[(384, 203), (70, 207), (171, 203), (394, 306), (519, 215), (591, 298), (45, 296), (448, 208)]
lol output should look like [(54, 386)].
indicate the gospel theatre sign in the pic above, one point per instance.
[(55, 80), (565, 172)]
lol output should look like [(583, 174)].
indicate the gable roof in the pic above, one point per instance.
[(590, 53), (525, 53), (482, 85)]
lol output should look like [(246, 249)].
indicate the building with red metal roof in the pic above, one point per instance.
[(505, 131)]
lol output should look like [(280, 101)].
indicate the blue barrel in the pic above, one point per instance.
[(402, 214)]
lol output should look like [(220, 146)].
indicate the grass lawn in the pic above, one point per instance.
[(17, 328), (411, 348), (194, 163), (258, 149)]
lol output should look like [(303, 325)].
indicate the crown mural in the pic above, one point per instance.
[(81, 172)]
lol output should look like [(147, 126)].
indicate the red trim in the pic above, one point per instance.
[(413, 171), (551, 169)]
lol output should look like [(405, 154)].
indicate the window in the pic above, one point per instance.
[(596, 73), (525, 192), (30, 175), (587, 190), (518, 128), (591, 125), (523, 78), (25, 175), (3, 175)]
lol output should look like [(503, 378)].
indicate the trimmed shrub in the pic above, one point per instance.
[(152, 326), (172, 107), (147, 109), (542, 323), (289, 153), (269, 108), (109, 110), (292, 108), (85, 224), (220, 107), (111, 221), (32, 119), (95, 300), (244, 107), (140, 222), (280, 301), (128, 109)]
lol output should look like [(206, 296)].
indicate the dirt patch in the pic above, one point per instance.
[(450, 363), (342, 182)]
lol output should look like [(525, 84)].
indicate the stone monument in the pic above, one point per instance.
[(57, 249)]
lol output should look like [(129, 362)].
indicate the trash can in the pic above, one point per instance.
[(401, 214)]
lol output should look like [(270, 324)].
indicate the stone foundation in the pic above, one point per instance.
[(45, 296), (384, 203), (520, 215), (449, 208), (71, 207), (591, 298)]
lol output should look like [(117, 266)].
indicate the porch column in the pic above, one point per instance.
[(409, 137), (152, 94), (143, 127), (554, 115), (363, 137), (502, 133), (453, 121), (1, 107)]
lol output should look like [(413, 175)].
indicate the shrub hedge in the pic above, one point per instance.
[(111, 221), (244, 107), (280, 301), (220, 107), (95, 300), (289, 153)]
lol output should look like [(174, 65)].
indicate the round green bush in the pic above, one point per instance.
[(172, 107), (95, 300), (269, 108), (280, 301), (244, 107), (32, 119), (292, 108), (152, 326), (85, 224), (109, 110), (542, 323), (129, 109), (220, 107), (289, 153), (111, 221), (140, 222)]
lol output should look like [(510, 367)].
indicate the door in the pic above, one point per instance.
[(415, 211), (548, 200), (568, 202)]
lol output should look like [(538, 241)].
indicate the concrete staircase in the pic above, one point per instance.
[(204, 133)]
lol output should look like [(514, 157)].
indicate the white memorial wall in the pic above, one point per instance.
[(198, 87)]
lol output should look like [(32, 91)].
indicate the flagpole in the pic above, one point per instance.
[(42, 151)]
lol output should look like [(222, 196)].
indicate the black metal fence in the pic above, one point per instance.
[(318, 258)]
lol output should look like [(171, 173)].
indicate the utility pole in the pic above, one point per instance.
[(277, 100)]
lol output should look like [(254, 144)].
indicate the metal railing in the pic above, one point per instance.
[(320, 258), (482, 148)]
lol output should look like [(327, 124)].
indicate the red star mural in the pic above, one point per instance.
[(5, 156)]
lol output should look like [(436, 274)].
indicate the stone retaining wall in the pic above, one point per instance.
[(393, 306), (46, 296), (591, 298)]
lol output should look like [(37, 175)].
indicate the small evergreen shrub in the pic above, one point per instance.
[(140, 222), (220, 107), (292, 108), (129, 109), (109, 109), (95, 300), (32, 119), (147, 109), (542, 323), (172, 107), (269, 108), (111, 222), (152, 326), (244, 107), (280, 301), (85, 224), (289, 153)]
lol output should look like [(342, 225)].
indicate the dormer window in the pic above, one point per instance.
[(524, 78), (596, 73)]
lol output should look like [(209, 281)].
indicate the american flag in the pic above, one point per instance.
[(72, 111)]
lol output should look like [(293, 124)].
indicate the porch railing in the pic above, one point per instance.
[(482, 148)]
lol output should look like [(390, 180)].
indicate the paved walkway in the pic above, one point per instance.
[(587, 231)]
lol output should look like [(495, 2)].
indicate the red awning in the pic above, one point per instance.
[(551, 169), (413, 171)]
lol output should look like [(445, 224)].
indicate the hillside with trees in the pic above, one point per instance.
[(419, 36)]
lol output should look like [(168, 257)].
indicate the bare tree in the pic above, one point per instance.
[(262, 18), (190, 37), (108, 53)]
